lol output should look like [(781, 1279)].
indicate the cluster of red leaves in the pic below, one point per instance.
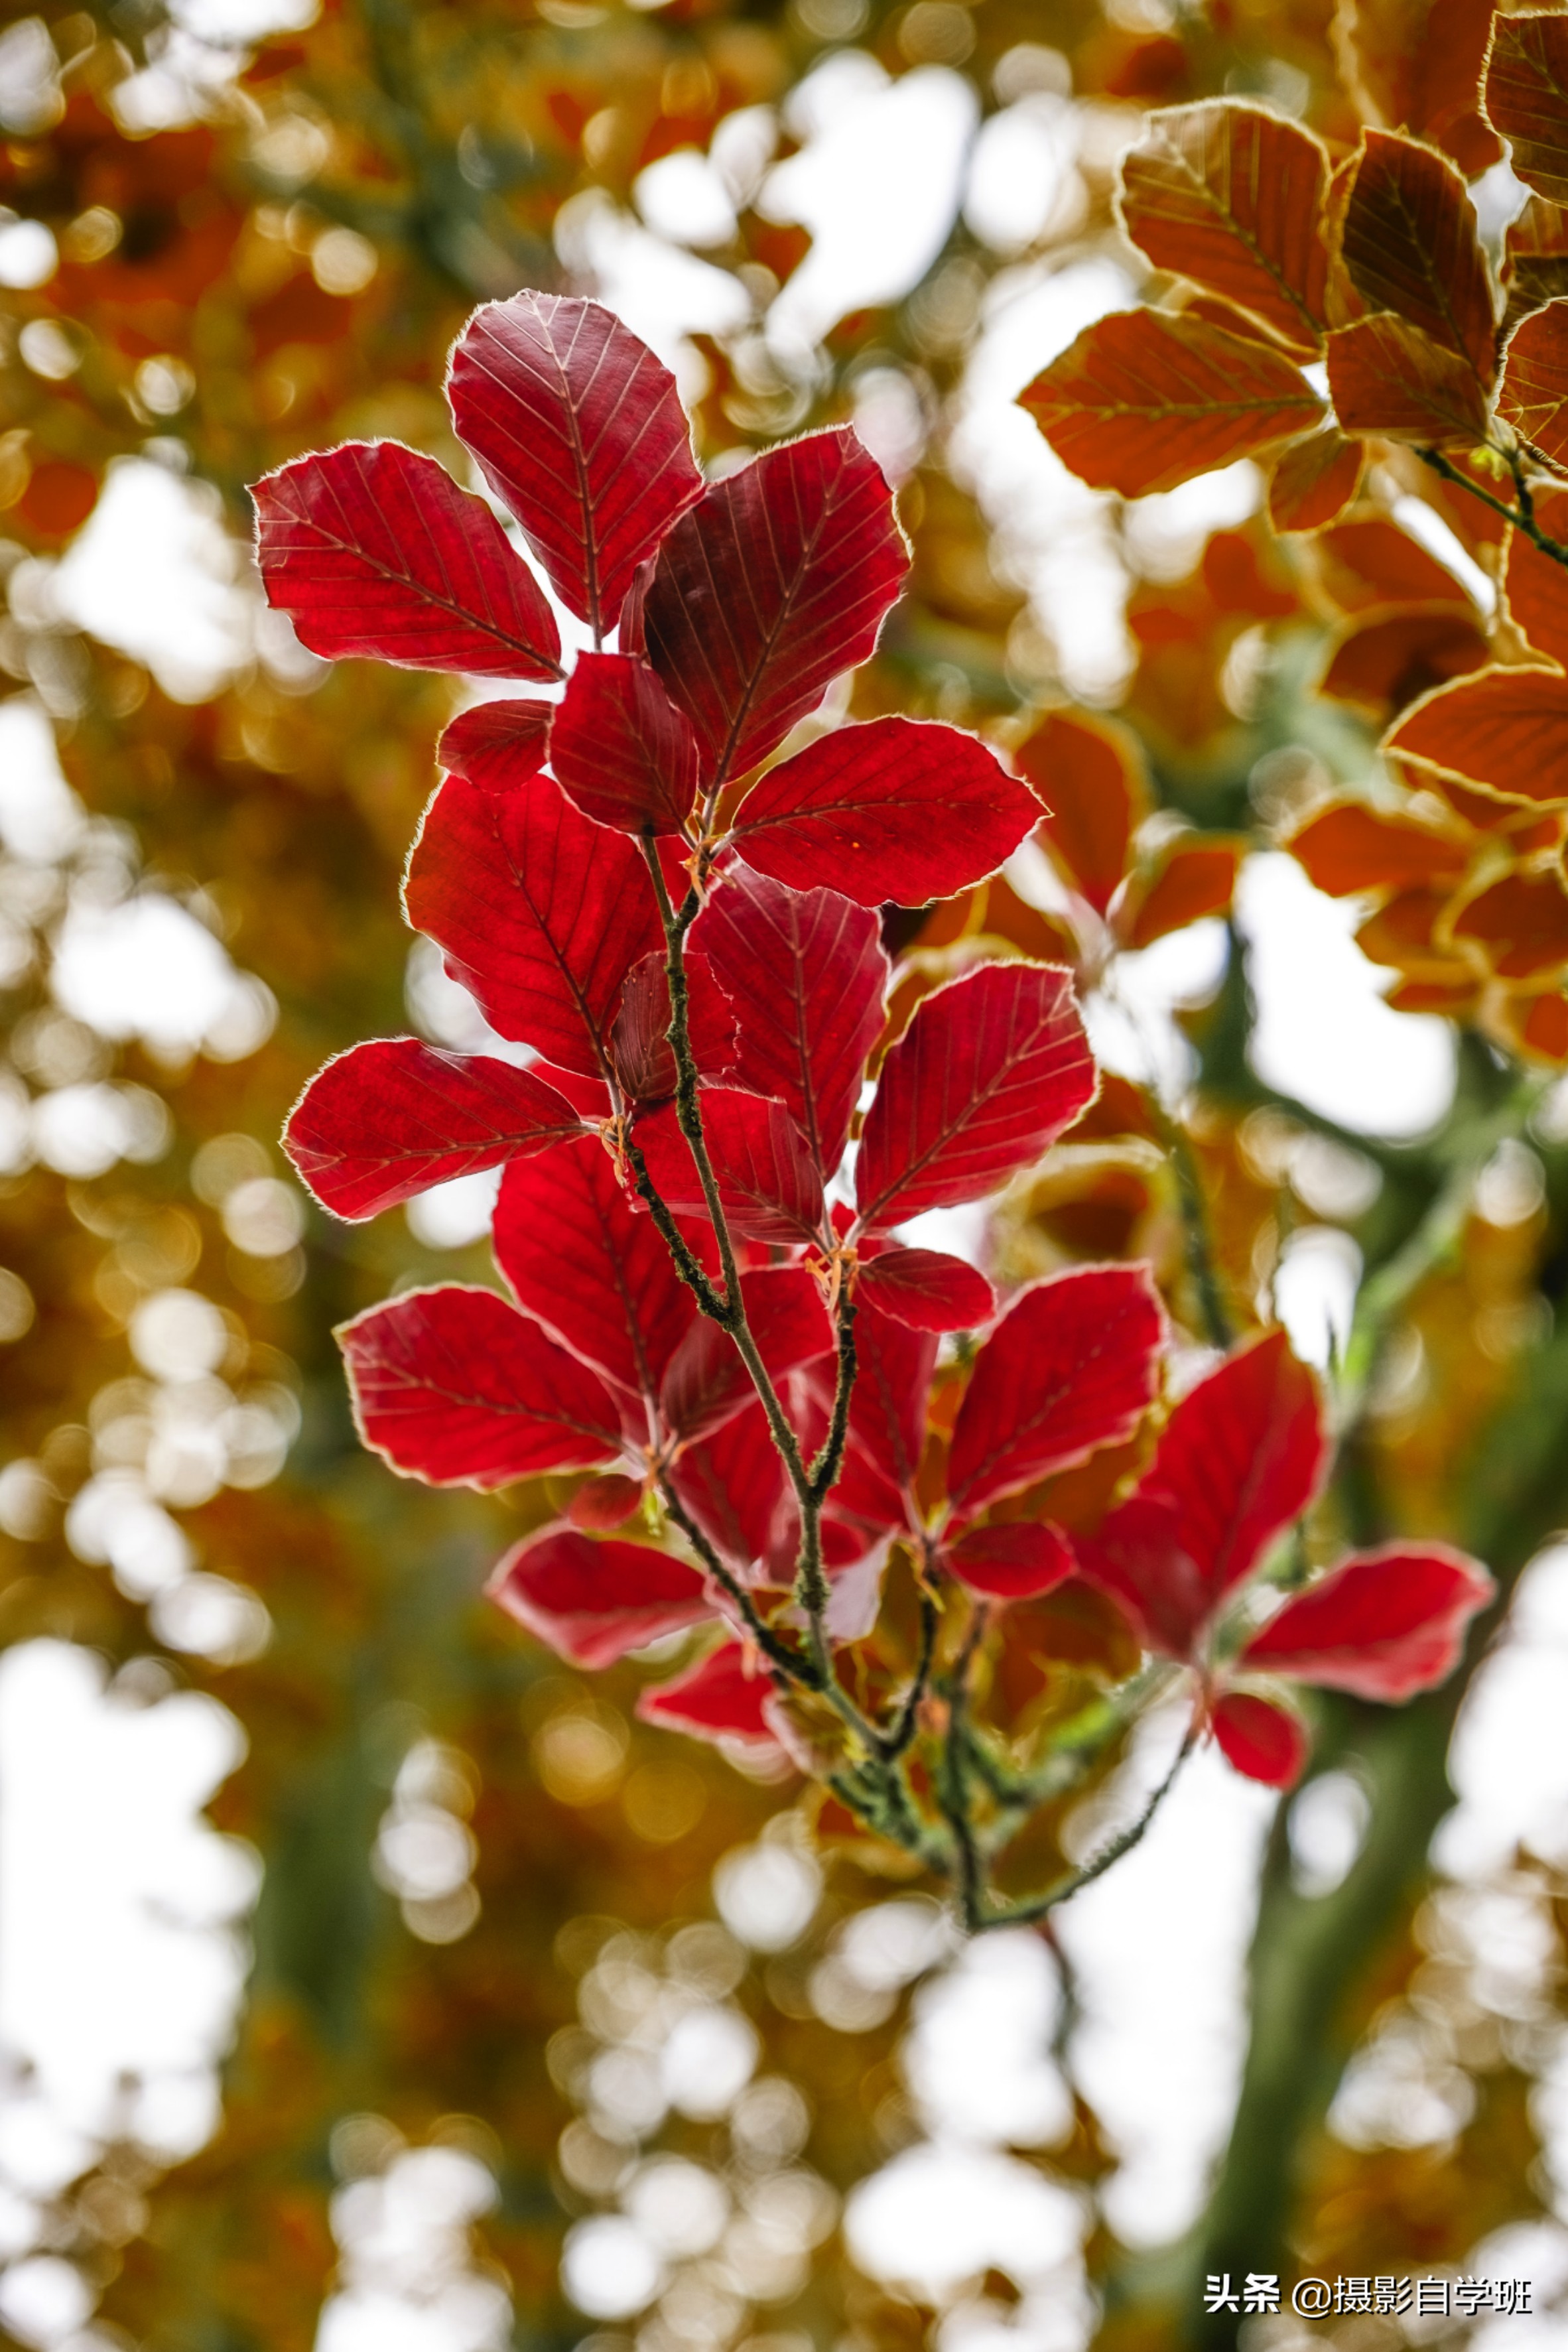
[(1370, 267), (545, 868)]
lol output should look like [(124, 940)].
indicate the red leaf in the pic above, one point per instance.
[(456, 1388), (498, 744), (1384, 1625), (898, 809), (639, 1040), (732, 1483), (768, 1184), (806, 974), (1239, 1459), (594, 1602), (716, 1700), (986, 1077), (777, 582), (387, 1119), (620, 749), (1072, 1366), (604, 1503), (581, 430), (1011, 1563), (595, 1274), (1089, 772), (373, 550), (707, 1382), (542, 913), (887, 1411), (927, 1289), (1263, 1740)]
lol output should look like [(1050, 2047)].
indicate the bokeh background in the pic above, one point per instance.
[(366, 1979)]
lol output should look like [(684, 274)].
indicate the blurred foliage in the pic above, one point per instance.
[(283, 263)]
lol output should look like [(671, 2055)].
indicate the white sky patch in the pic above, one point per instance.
[(147, 969), (40, 817), (153, 573)]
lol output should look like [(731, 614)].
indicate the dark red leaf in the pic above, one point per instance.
[(898, 809), (762, 594), (389, 1119), (595, 1274), (606, 1502), (887, 1412), (987, 1074), (805, 973), (1264, 1741), (707, 1382), (456, 1388), (1384, 1624), (725, 1696), (594, 1602), (639, 1041), (1239, 1459), (542, 913), (621, 750), (581, 430), (498, 744), (373, 550), (768, 1185), (1072, 1366), (927, 1289), (733, 1484), (1011, 1563)]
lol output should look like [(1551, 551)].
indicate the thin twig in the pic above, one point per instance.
[(1523, 516), (1037, 1906)]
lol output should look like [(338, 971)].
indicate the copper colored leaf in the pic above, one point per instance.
[(988, 1074), (1415, 65), (593, 1601), (581, 433), (1261, 1738), (1018, 1563), (1520, 923), (1536, 584), (542, 912), (1196, 879), (621, 750), (1351, 847), (1073, 1366), (1230, 196), (1527, 98), (1386, 377), (724, 1697), (1409, 244), (1533, 394), (1089, 773), (1146, 400), (388, 1120), (898, 809), (927, 1289), (806, 974), (768, 1184), (373, 550), (1313, 480), (590, 1269), (1385, 1625), (1535, 261), (1368, 560), (1381, 664), (1504, 731), (456, 1388), (763, 593), (498, 744)]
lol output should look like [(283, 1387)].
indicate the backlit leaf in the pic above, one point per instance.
[(456, 1388), (1536, 584), (1313, 480), (1073, 1366), (1261, 1738), (1409, 244), (498, 744), (1089, 773), (1197, 878), (593, 1601), (1384, 663), (768, 1184), (621, 750), (1527, 98), (724, 1697), (1503, 731), (581, 433), (707, 1382), (806, 974), (1146, 399), (542, 912), (1415, 65), (1230, 195), (927, 1289), (640, 1050), (1011, 1563), (373, 549), (1386, 377), (388, 1120), (1384, 1624), (1520, 923), (1533, 394), (898, 809), (763, 593), (1350, 848), (988, 1074)]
